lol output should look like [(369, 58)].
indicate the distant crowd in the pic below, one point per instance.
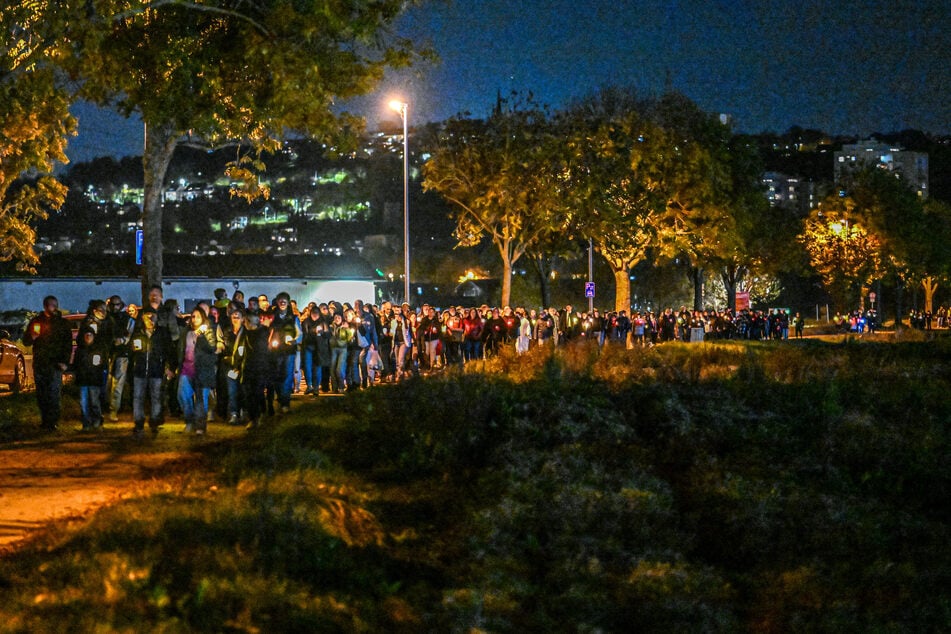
[(241, 358)]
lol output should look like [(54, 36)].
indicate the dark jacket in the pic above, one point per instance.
[(90, 363), (206, 358), (151, 356), (51, 338), (285, 332)]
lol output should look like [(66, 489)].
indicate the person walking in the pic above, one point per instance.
[(151, 361), (90, 363), (52, 342), (285, 336), (124, 325), (341, 336), (198, 369)]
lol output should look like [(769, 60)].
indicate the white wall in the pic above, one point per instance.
[(74, 293)]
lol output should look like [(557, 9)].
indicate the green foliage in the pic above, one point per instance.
[(34, 125), (680, 488), (227, 73), (497, 176)]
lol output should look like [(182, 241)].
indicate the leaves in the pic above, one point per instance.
[(34, 125)]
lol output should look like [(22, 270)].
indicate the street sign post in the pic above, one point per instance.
[(139, 243)]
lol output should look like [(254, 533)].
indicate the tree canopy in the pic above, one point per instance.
[(226, 71), (497, 175), (34, 126)]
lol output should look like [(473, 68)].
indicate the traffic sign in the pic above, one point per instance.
[(139, 243), (589, 289)]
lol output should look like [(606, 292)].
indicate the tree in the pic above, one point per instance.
[(843, 249), (34, 126), (613, 172), (762, 238), (224, 71), (914, 234), (496, 173), (697, 223), (937, 248)]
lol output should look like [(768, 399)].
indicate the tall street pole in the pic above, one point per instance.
[(403, 108)]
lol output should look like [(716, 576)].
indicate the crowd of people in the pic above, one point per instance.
[(242, 358)]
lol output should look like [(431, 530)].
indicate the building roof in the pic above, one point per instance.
[(326, 267)]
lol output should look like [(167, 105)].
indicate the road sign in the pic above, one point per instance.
[(139, 243), (589, 289)]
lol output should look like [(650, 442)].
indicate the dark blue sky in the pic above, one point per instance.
[(844, 67)]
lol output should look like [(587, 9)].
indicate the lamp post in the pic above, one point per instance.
[(402, 107)]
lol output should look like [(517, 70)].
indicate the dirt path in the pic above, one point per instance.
[(71, 474)]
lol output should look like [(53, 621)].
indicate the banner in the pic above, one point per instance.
[(742, 300)]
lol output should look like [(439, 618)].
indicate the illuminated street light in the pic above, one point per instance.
[(403, 108)]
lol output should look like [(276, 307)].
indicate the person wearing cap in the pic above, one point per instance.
[(97, 321), (89, 364)]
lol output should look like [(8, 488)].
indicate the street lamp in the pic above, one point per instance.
[(402, 107)]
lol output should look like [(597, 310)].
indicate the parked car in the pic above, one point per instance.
[(12, 364)]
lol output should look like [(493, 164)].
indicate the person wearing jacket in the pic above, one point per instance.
[(257, 369), (123, 326), (285, 336), (316, 348), (152, 359), (341, 335), (198, 367), (472, 338), (404, 338), (232, 354), (366, 338), (52, 342), (90, 362)]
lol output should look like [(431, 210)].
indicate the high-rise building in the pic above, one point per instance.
[(910, 167), (791, 192)]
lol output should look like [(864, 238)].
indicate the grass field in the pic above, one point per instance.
[(717, 487)]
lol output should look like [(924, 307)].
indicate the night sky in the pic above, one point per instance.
[(842, 67)]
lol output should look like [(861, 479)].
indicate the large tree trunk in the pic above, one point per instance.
[(160, 143), (899, 297), (697, 274), (622, 286), (506, 281), (543, 267), (930, 286), (731, 277)]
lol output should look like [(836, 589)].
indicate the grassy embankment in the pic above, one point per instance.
[(757, 487)]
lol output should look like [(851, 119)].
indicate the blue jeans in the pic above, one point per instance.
[(284, 377), (364, 370), (143, 388), (472, 350), (49, 388), (234, 391), (89, 403), (119, 370), (192, 399), (338, 366), (353, 368), (313, 371)]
